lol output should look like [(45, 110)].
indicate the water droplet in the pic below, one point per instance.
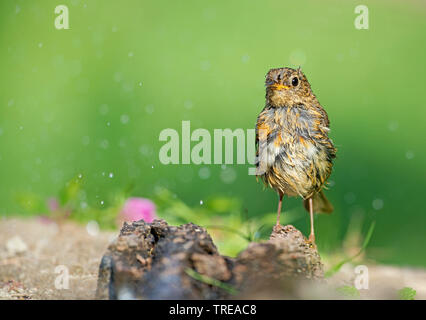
[(111, 175), (128, 86), (188, 104), (40, 44), (350, 197), (378, 204), (108, 124), (140, 84), (146, 150), (103, 109), (104, 144), (204, 173), (102, 202), (85, 140), (209, 14), (228, 175), (201, 202), (92, 228), (393, 125), (80, 176), (118, 77), (185, 174), (124, 119), (149, 109), (125, 293), (245, 58), (409, 154), (205, 65)]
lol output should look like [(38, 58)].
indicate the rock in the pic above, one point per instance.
[(16, 245), (158, 261)]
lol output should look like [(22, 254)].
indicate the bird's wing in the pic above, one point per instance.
[(264, 133)]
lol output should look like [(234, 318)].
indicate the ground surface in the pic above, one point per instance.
[(30, 274), (33, 251)]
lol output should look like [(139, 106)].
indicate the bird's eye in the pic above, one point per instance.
[(295, 81)]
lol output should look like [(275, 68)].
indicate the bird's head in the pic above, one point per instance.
[(287, 87)]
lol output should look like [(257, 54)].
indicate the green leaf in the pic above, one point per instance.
[(407, 293), (211, 281), (337, 267), (30, 202), (229, 229), (222, 204), (349, 292), (71, 190)]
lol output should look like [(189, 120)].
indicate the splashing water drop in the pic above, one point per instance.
[(124, 118), (92, 228)]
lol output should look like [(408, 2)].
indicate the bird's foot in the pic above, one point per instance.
[(277, 227), (311, 240)]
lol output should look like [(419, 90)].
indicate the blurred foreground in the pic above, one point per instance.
[(33, 249)]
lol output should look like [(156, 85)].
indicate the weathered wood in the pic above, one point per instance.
[(153, 261)]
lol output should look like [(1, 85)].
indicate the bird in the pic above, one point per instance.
[(294, 154)]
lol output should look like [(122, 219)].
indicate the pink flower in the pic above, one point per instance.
[(53, 204), (138, 208)]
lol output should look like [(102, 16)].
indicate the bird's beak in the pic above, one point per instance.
[(277, 86)]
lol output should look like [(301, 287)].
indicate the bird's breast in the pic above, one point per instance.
[(292, 154), (290, 137), (289, 126)]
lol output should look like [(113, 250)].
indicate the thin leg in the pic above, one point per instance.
[(279, 208), (311, 214)]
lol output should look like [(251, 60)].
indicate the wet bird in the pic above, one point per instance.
[(294, 153)]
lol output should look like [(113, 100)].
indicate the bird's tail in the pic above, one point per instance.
[(320, 202)]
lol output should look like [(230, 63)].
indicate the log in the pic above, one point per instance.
[(159, 261)]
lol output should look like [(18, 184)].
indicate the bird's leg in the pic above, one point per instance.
[(279, 208), (311, 214)]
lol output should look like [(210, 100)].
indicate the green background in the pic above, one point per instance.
[(92, 100)]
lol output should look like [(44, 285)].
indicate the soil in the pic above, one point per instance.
[(35, 252), (30, 272)]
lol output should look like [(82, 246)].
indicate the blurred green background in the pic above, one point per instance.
[(90, 102)]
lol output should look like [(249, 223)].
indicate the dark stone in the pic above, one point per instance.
[(151, 261)]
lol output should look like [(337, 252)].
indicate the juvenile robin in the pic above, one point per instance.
[(294, 153)]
